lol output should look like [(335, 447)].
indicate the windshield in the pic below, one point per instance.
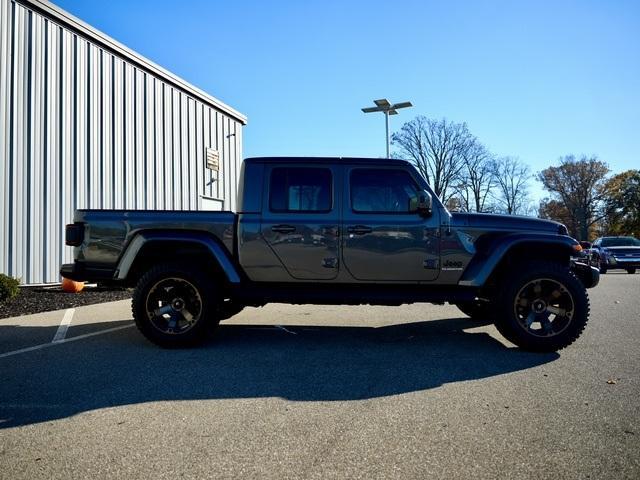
[(620, 242)]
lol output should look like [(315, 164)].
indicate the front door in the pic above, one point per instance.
[(301, 219), (383, 236)]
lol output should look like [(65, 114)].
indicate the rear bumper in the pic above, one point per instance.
[(588, 275), (81, 272)]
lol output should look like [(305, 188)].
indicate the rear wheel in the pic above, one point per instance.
[(173, 305), (631, 270), (544, 307)]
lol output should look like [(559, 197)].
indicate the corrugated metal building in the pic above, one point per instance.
[(87, 123)]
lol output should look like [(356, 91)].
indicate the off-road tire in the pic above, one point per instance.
[(208, 298), (477, 310), (511, 326)]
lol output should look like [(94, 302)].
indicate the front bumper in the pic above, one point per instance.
[(588, 275), (622, 262)]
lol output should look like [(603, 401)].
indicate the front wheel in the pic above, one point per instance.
[(631, 270), (543, 307), (175, 304)]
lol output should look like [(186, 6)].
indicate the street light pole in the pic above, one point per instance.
[(386, 124), (387, 108)]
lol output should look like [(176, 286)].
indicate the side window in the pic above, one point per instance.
[(300, 190), (383, 191)]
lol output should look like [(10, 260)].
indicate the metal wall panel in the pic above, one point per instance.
[(86, 123)]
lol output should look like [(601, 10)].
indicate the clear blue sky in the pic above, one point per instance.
[(535, 79)]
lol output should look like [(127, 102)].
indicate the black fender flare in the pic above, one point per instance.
[(145, 237), (485, 262)]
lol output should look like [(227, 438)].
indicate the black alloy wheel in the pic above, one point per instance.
[(543, 307), (174, 305)]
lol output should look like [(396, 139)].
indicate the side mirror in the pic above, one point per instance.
[(585, 245), (425, 204)]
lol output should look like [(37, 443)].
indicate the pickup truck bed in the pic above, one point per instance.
[(109, 233)]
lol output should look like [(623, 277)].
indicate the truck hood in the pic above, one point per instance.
[(503, 222)]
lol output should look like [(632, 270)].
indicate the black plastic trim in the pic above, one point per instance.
[(80, 272), (588, 275)]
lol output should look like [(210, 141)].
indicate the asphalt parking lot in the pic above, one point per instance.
[(417, 391)]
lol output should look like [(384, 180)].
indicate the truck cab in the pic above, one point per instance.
[(351, 220)]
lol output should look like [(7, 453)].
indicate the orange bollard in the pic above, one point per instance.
[(71, 286)]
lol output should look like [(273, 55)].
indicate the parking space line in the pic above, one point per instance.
[(280, 327), (64, 326), (66, 340)]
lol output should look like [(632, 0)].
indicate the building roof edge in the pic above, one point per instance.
[(56, 13)]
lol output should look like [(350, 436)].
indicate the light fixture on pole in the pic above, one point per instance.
[(387, 108)]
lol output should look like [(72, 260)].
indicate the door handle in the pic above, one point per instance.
[(283, 228), (360, 229)]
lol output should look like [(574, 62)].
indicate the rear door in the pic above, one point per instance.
[(384, 237), (301, 218)]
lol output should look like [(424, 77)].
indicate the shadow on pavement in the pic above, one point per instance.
[(301, 363)]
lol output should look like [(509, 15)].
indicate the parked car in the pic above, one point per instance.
[(336, 231), (608, 253)]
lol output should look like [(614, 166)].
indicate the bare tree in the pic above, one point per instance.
[(462, 196), (579, 186), (437, 149), (512, 179), (476, 178)]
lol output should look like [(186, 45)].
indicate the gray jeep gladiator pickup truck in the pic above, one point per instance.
[(335, 231)]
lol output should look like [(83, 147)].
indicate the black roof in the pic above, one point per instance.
[(325, 160)]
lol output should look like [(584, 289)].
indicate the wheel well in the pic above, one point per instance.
[(524, 253), (161, 251)]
